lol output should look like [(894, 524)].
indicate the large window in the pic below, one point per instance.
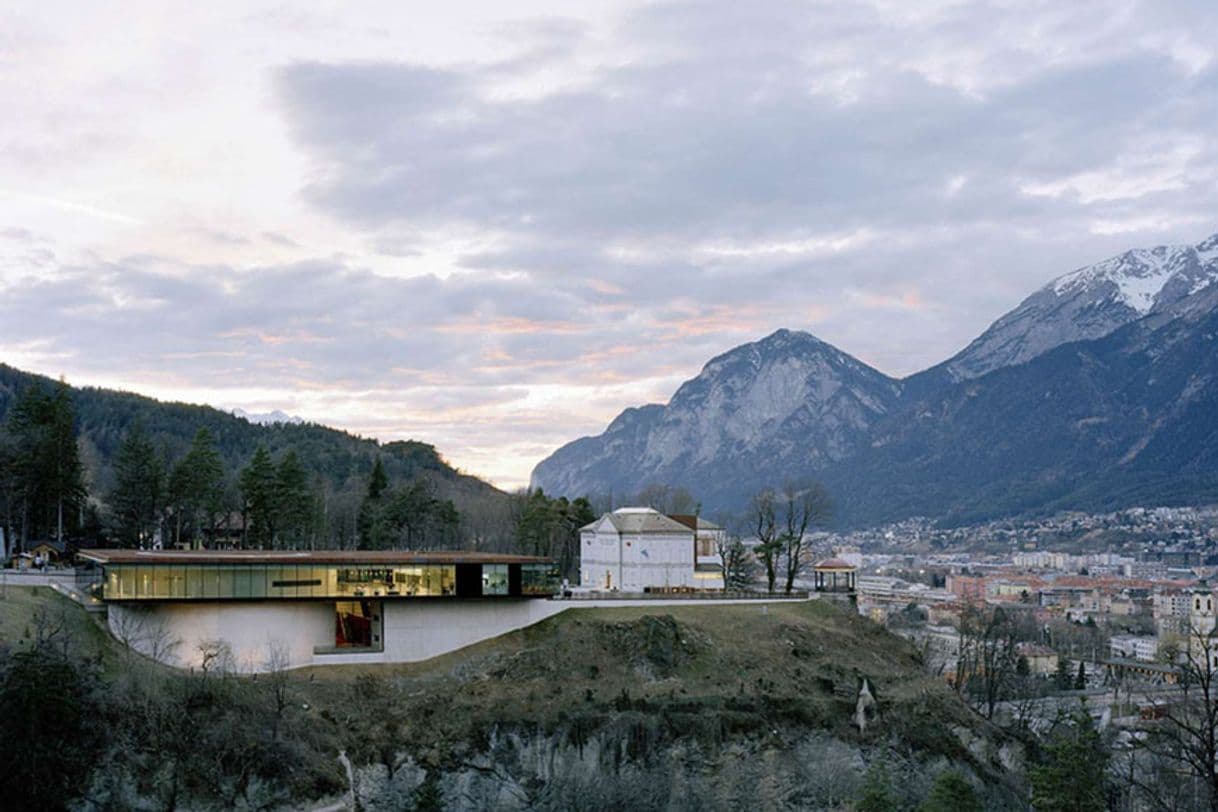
[(538, 580), (357, 624), (255, 581)]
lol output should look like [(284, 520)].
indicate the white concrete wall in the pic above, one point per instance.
[(599, 558), (419, 630), (175, 631), (655, 559), (413, 630), (634, 560)]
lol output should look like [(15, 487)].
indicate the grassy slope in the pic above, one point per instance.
[(712, 675), (25, 610), (707, 671)]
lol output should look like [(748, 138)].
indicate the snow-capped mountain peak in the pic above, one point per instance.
[(268, 418), (1091, 302), (1140, 275)]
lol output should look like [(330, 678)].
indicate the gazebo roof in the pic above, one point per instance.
[(833, 564)]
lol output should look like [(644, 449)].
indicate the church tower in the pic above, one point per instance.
[(1202, 623)]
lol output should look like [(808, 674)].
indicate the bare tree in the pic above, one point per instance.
[(667, 499), (132, 628), (1184, 738), (215, 656), (127, 624), (160, 642), (276, 667), (738, 564), (804, 506), (769, 545), (988, 659)]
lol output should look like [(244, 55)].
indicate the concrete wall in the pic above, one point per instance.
[(420, 630), (174, 632), (412, 630)]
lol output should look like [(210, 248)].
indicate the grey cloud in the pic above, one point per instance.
[(890, 180), (714, 143)]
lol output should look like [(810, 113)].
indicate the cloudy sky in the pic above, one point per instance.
[(492, 226)]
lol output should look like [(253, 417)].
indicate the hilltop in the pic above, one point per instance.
[(689, 707)]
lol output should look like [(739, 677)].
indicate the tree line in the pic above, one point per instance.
[(149, 489)]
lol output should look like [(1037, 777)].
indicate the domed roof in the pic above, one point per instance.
[(833, 564)]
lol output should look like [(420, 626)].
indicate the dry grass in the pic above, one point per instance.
[(715, 671), (28, 611)]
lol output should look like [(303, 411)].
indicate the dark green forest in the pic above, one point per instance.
[(99, 467)]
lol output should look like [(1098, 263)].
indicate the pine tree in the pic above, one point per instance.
[(1071, 775), (293, 502), (951, 793), (1062, 678), (377, 481), (197, 487), (50, 479), (1080, 681), (139, 492), (67, 475), (257, 484), (878, 793), (1022, 667)]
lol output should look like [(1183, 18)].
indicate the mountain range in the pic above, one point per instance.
[(1100, 390)]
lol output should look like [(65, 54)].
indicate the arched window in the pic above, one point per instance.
[(1198, 606)]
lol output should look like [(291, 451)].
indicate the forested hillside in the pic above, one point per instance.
[(330, 473)]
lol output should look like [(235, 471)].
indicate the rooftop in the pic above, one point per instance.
[(353, 557), (694, 522), (639, 520)]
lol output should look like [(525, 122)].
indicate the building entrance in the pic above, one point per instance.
[(358, 624)]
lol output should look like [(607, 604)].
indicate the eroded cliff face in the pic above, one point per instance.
[(635, 762)]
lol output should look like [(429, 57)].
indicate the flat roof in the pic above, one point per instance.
[(351, 557)]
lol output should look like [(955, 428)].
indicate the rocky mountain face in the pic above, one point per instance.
[(1099, 390), (788, 400), (1090, 303)]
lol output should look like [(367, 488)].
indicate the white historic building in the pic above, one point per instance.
[(634, 548)]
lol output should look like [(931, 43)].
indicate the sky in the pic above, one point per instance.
[(493, 226)]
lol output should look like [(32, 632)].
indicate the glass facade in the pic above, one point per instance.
[(255, 581), (539, 580), (494, 579)]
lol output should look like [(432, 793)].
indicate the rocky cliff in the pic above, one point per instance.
[(1097, 391)]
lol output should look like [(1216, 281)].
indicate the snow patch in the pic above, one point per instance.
[(268, 418), (1139, 275)]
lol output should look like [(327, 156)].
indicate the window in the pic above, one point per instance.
[(494, 579), (357, 624), (538, 579)]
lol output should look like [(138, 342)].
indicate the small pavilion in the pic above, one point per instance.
[(834, 575)]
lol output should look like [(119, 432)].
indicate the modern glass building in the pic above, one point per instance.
[(139, 575), (374, 606)]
